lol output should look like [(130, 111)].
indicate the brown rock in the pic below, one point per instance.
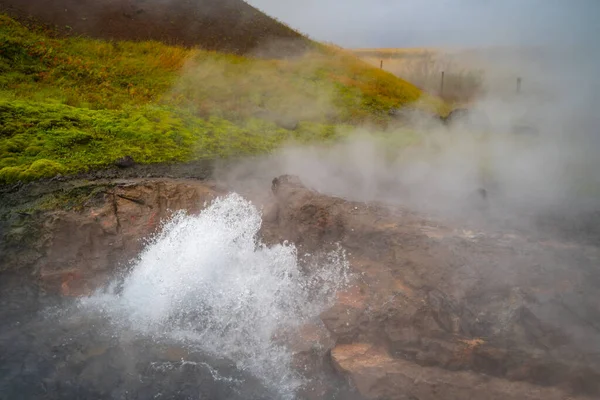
[(458, 300), (310, 345), (377, 375), (433, 312), (84, 247), (125, 162)]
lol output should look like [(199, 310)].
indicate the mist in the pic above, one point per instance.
[(439, 23), (535, 156)]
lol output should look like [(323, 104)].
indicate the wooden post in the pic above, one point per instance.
[(518, 85), (381, 64), (442, 85)]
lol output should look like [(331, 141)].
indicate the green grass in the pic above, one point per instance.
[(82, 72), (41, 140), (76, 104)]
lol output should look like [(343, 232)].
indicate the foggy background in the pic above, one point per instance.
[(551, 176), (424, 23)]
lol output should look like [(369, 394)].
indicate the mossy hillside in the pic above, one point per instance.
[(74, 104), (41, 140), (99, 74), (82, 72)]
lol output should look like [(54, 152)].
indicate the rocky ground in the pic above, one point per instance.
[(434, 312)]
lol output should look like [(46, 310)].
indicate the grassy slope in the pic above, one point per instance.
[(463, 79), (231, 26), (74, 104)]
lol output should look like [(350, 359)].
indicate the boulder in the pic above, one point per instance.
[(379, 376), (74, 251), (463, 303), (125, 162)]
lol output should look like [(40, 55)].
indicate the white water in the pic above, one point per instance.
[(208, 283)]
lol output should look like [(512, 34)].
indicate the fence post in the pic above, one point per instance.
[(518, 85), (381, 64), (442, 85)]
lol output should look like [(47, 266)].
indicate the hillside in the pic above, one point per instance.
[(423, 67), (76, 104), (224, 25)]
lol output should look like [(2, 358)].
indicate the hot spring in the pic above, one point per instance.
[(195, 315)]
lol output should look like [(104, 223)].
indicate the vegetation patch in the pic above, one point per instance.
[(43, 140), (462, 83), (74, 104)]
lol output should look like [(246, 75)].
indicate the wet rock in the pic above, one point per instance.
[(310, 344), (433, 311), (440, 300), (73, 252), (125, 162), (377, 375)]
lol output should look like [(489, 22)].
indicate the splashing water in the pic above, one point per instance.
[(208, 283)]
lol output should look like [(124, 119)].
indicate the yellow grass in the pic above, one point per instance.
[(423, 67), (387, 52)]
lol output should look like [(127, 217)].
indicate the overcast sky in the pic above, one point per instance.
[(404, 23)]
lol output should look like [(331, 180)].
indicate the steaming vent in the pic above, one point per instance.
[(208, 284)]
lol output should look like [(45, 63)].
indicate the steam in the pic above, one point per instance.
[(207, 283), (227, 87), (534, 152), (435, 23)]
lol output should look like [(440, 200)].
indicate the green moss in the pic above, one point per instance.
[(10, 174), (42, 168), (75, 104), (49, 139), (69, 200)]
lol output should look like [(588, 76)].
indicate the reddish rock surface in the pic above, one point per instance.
[(78, 250), (433, 312), (377, 375), (459, 306)]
